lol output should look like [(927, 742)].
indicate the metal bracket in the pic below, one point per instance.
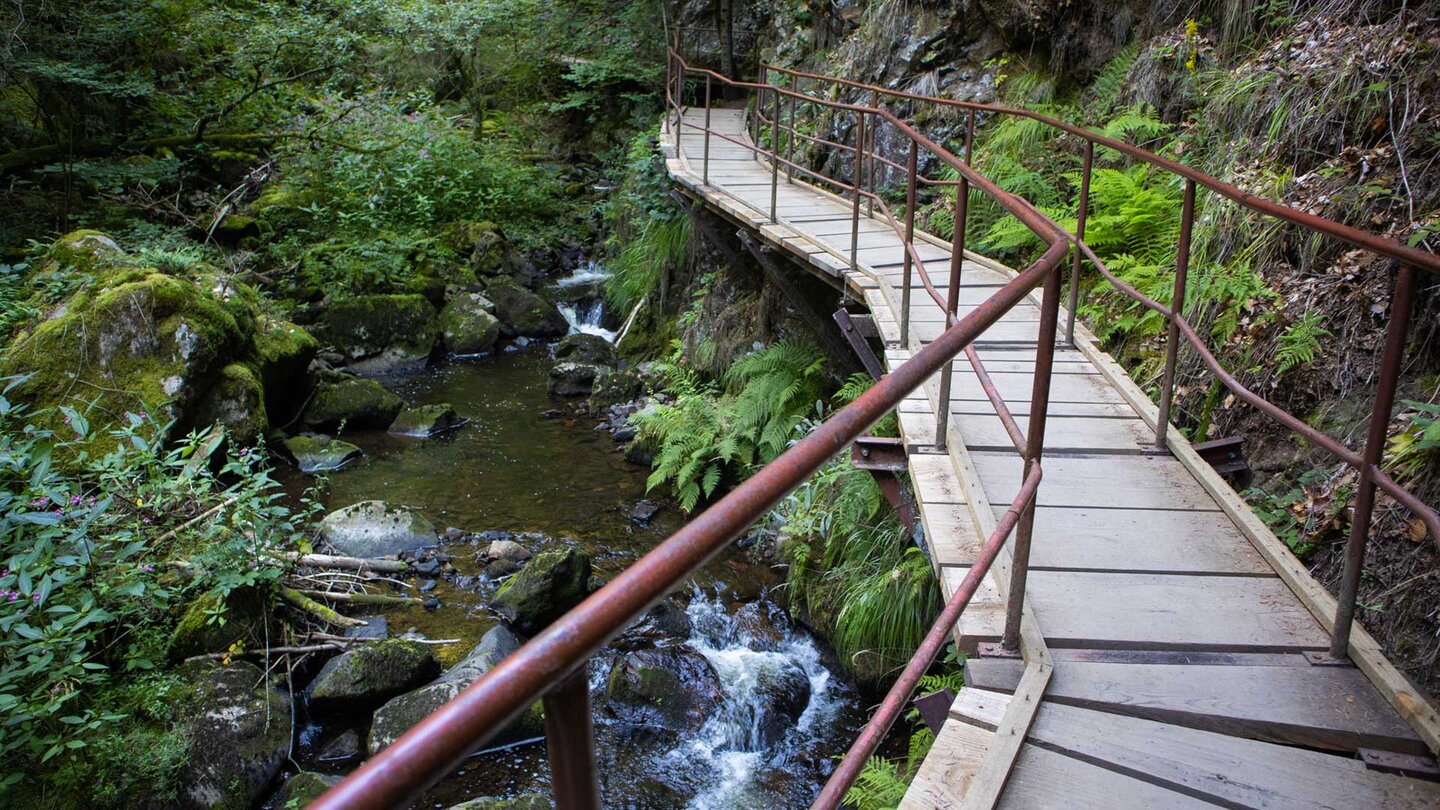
[(877, 453), (857, 329), (994, 649), (1227, 456), (1321, 658), (934, 708), (1416, 767)]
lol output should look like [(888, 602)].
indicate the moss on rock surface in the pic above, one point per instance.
[(283, 352), (235, 401), (383, 334), (153, 343), (238, 735), (366, 677), (200, 631), (550, 584), (468, 325), (524, 313), (357, 402)]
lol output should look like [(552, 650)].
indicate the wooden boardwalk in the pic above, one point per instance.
[(1166, 631)]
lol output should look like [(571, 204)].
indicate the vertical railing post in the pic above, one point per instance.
[(706, 177), (1401, 305), (952, 305), (775, 159), (570, 743), (790, 144), (855, 191), (910, 173), (870, 155), (1034, 450), (1177, 310), (755, 117), (1079, 235)]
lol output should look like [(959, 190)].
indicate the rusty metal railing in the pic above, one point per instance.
[(551, 667), (1410, 260)]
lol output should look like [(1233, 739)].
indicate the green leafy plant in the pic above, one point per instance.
[(1300, 342)]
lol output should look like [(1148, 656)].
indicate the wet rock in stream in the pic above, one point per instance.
[(371, 674), (376, 529), (532, 801), (319, 453), (671, 688), (550, 584), (237, 736), (302, 789), (425, 421)]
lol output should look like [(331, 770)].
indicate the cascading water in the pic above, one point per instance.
[(586, 314)]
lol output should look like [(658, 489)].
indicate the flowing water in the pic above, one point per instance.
[(529, 464)]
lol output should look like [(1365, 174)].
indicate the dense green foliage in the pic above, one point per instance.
[(88, 580)]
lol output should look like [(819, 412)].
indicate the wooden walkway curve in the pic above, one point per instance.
[(1167, 629)]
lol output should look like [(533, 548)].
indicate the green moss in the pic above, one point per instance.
[(236, 401), (244, 612), (359, 403), (369, 324)]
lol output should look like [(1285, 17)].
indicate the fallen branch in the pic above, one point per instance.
[(264, 653), (349, 640), (316, 610), (347, 563), (364, 598)]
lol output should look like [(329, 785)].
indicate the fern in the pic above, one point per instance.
[(879, 786), (1300, 342), (1139, 122)]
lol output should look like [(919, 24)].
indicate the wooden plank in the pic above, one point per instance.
[(1157, 612), (1364, 650), (1109, 481), (1043, 779), (934, 480), (1001, 760), (1067, 435), (1150, 540), (949, 769), (1334, 708), (1238, 772)]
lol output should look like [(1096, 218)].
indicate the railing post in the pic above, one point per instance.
[(706, 177), (790, 144), (855, 198), (1034, 449), (952, 305), (1080, 236), (870, 155), (910, 172), (1177, 310), (775, 159), (570, 743), (1401, 305), (755, 118)]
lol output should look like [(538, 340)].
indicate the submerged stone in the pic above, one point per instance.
[(376, 529), (320, 453), (550, 584), (530, 801), (425, 421), (343, 748), (572, 379), (468, 324), (371, 674)]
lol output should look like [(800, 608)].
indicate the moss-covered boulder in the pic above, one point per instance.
[(425, 421), (573, 379), (371, 674), (468, 324), (238, 229), (238, 734), (151, 342), (376, 529), (84, 251), (320, 453), (302, 789), (584, 348), (482, 242), (670, 688), (211, 624), (355, 401), (236, 401), (523, 313), (400, 714), (550, 584), (283, 353), (383, 334)]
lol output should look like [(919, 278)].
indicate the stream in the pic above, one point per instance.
[(538, 468)]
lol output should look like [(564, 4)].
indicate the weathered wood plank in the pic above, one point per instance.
[(1244, 773), (1156, 612), (948, 772), (1125, 482), (1043, 779), (1153, 540), (1333, 708)]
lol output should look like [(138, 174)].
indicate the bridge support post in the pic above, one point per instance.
[(909, 243), (1401, 306), (952, 306), (1177, 310), (1079, 236), (570, 743), (706, 159), (1034, 448)]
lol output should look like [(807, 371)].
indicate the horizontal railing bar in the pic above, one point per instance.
[(1355, 236)]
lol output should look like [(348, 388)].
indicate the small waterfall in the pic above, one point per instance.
[(587, 315)]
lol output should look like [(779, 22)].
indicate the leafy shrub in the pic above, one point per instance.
[(87, 545), (648, 231)]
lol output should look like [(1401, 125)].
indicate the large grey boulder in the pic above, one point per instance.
[(550, 584), (569, 379), (584, 348), (302, 789), (468, 324), (523, 313), (383, 334), (668, 688), (371, 674), (403, 712), (376, 529), (238, 734)]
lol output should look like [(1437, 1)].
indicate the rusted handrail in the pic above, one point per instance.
[(546, 663)]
